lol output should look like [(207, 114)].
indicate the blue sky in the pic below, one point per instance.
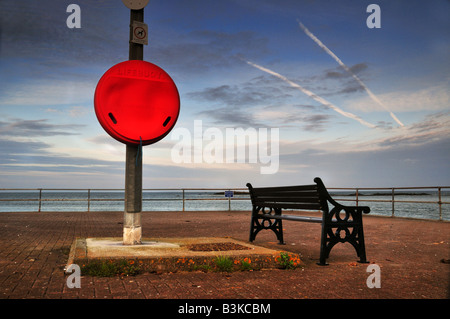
[(50, 136)]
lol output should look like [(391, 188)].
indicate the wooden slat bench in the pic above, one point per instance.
[(339, 225)]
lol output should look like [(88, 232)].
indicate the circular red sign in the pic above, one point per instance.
[(137, 101)]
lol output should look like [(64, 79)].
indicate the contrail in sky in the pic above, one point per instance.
[(312, 95), (324, 47)]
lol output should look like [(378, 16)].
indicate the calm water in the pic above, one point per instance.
[(207, 200)]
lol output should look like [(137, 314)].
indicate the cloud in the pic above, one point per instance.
[(346, 68), (304, 117), (246, 104), (101, 139), (73, 111), (242, 95), (280, 116), (9, 147), (38, 29), (340, 82), (35, 128), (439, 123), (201, 51), (434, 127), (338, 74), (253, 108), (47, 92), (261, 101), (432, 98), (315, 122), (232, 116), (313, 95), (411, 159), (23, 156)]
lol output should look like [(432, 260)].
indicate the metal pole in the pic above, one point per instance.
[(132, 231), (136, 50)]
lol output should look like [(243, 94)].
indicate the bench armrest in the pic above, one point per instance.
[(358, 209), (343, 213), (348, 209)]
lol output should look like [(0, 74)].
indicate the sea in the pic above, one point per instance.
[(422, 204)]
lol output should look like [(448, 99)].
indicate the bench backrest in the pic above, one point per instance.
[(303, 197)]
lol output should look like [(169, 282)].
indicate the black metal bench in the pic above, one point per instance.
[(339, 225)]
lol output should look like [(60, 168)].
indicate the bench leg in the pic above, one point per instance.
[(254, 229), (324, 249), (255, 224), (278, 230), (353, 235), (361, 250), (356, 238), (258, 223)]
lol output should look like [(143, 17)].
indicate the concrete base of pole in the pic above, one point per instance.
[(132, 235), (132, 231)]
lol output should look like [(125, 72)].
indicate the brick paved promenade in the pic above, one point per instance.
[(34, 249)]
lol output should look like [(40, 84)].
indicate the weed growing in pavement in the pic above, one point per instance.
[(224, 263), (109, 268)]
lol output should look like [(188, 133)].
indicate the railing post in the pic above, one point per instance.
[(183, 199), (393, 200), (89, 200), (40, 199), (440, 203), (357, 193)]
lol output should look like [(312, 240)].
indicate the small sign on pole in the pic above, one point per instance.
[(140, 33), (229, 194)]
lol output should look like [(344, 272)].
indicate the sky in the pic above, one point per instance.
[(356, 106)]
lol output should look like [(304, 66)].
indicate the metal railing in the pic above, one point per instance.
[(394, 191), (358, 196), (89, 199)]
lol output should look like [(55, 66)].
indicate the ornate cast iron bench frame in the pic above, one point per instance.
[(339, 225)]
